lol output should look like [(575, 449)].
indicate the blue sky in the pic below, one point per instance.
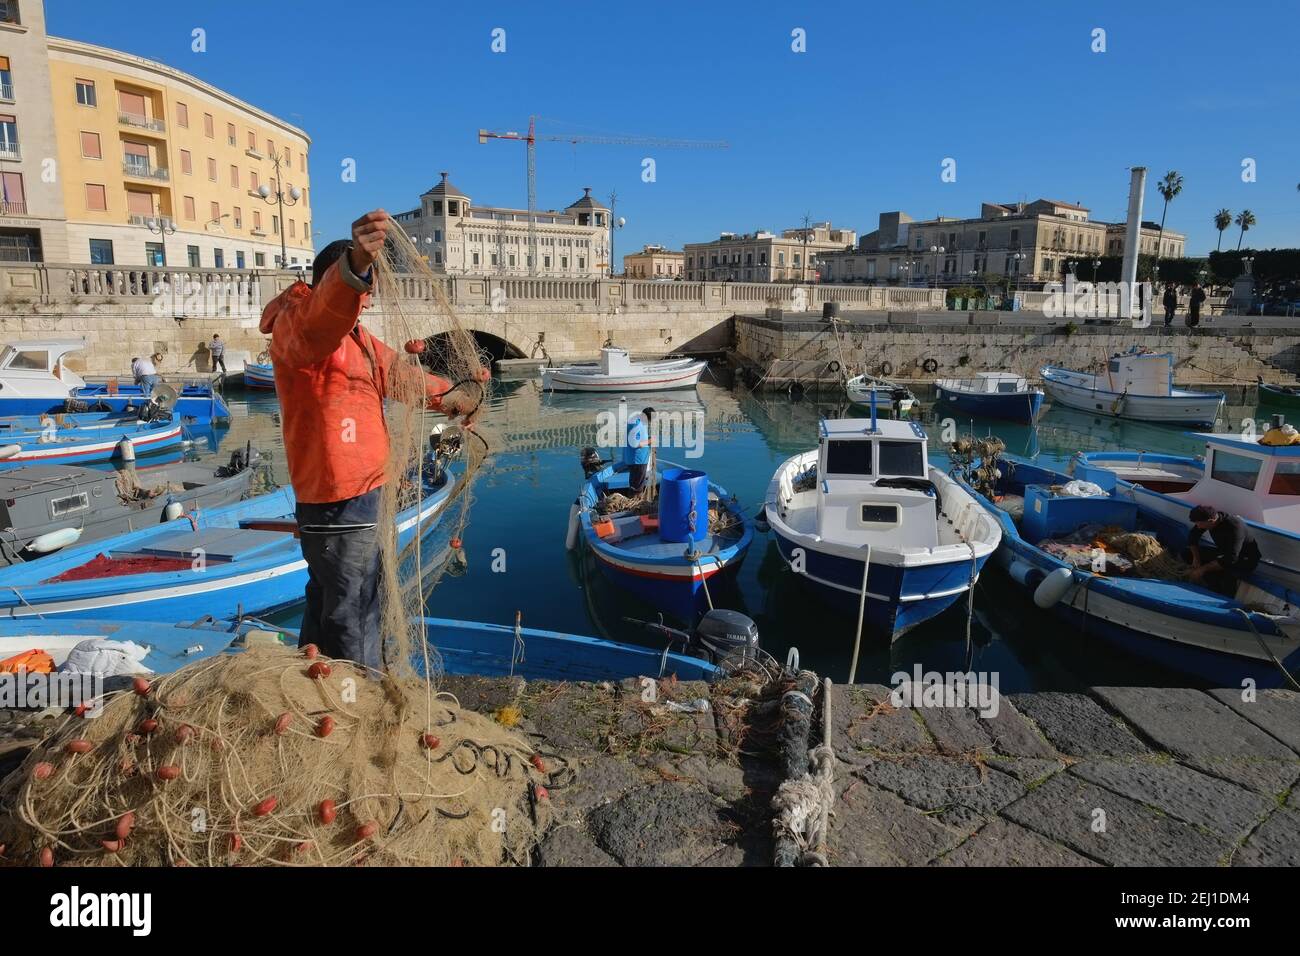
[(858, 124)]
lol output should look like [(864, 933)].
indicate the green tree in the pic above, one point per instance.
[(1170, 186), (1245, 219), (1222, 220)]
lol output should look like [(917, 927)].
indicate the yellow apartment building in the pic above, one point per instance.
[(110, 158)]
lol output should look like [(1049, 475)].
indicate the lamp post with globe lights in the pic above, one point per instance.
[(278, 198)]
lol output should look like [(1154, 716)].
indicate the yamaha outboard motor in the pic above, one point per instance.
[(591, 462), (724, 635)]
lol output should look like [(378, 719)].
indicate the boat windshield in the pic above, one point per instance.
[(848, 458), (36, 359), (902, 458)]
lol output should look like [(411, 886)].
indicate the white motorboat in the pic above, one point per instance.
[(617, 372), (888, 395), (1137, 385)]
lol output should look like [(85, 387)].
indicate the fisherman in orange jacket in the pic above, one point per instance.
[(332, 377)]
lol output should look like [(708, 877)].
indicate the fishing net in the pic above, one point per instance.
[(1150, 558), (275, 757), (978, 459)]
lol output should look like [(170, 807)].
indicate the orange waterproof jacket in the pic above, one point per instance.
[(332, 376)]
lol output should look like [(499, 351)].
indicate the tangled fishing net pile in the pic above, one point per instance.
[(978, 458), (278, 757)]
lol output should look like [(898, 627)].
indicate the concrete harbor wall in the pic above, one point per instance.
[(957, 344)]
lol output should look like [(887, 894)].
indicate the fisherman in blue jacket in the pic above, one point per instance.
[(636, 450)]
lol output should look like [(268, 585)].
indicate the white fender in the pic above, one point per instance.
[(8, 451), (1053, 587), (173, 511), (54, 540), (571, 539), (126, 449), (1025, 573)]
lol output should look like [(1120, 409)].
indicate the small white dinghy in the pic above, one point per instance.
[(617, 372)]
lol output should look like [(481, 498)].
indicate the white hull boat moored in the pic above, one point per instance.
[(617, 372), (1135, 385)]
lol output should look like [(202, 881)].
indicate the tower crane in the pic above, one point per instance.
[(531, 138)]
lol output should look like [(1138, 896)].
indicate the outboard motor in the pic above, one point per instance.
[(239, 460), (591, 462), (724, 635)]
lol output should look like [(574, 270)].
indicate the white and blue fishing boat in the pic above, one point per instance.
[(55, 446), (876, 529), (259, 375), (1259, 483), (1002, 395), (80, 423), (866, 390), (166, 647), (231, 561), (1177, 624), (35, 380), (1137, 385), (666, 548)]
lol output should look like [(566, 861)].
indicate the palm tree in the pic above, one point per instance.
[(1245, 219), (1222, 220), (1170, 186)]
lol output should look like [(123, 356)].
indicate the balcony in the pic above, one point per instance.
[(258, 231), (137, 121), (8, 208), (9, 149), (6, 92), (253, 153), (145, 171)]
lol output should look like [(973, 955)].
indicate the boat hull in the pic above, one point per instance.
[(145, 440), (650, 380), (259, 377), (204, 406), (1189, 409), (1278, 398), (1020, 407)]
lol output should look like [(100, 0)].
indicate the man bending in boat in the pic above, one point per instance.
[(332, 377), (1238, 552), (636, 450)]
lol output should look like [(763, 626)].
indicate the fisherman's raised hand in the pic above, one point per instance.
[(368, 234)]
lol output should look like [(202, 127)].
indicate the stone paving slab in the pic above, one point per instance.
[(1181, 792), (1275, 843), (864, 722), (870, 827), (670, 824), (1064, 810), (1206, 734), (956, 730), (1003, 843), (1277, 712), (1077, 725), (959, 793), (1014, 735)]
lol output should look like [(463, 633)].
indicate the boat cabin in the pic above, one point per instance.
[(615, 361), (35, 495), (34, 368), (989, 383), (1139, 373), (1258, 482), (873, 484)]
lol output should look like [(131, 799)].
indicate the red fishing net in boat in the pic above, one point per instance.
[(102, 566)]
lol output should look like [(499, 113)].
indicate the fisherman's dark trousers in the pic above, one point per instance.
[(340, 544)]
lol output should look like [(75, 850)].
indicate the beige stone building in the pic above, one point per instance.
[(1030, 242), (654, 262), (461, 238), (764, 256)]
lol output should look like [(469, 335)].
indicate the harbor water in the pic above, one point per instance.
[(514, 541)]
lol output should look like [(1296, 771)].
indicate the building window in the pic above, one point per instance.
[(259, 259), (15, 200), (215, 209), (257, 220), (302, 162), (136, 158), (238, 218), (155, 255), (230, 133), (86, 93), (8, 137), (90, 145), (437, 207), (564, 262), (101, 252), (512, 261), (234, 176), (182, 115), (252, 180), (437, 258), (187, 163), (437, 235), (453, 207), (190, 213), (192, 254), (212, 169), (293, 229), (6, 80), (582, 262), (546, 262), (275, 225), (207, 126), (270, 148), (239, 259), (476, 258), (218, 258), (96, 198)]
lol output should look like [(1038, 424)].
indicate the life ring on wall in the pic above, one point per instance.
[(929, 366), (832, 366), (886, 368)]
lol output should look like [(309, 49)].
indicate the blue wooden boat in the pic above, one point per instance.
[(82, 423), (497, 650), (1002, 395), (170, 646), (196, 402), (1176, 624), (75, 447), (874, 528), (665, 557), (259, 375), (235, 560)]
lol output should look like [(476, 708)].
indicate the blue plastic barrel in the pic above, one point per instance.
[(683, 505)]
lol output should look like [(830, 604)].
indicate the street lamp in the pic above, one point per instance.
[(160, 226), (1073, 266), (936, 251), (264, 191), (1096, 264), (1247, 262)]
